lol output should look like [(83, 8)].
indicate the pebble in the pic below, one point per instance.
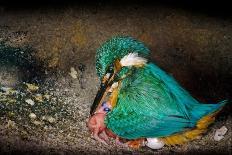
[(39, 98), (10, 124), (47, 96), (30, 101), (31, 87), (32, 116), (219, 134), (38, 122), (5, 89), (50, 119), (73, 73)]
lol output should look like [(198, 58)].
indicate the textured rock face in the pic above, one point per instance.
[(10, 76), (195, 48)]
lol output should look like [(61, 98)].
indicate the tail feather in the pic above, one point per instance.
[(185, 101), (201, 110), (200, 128)]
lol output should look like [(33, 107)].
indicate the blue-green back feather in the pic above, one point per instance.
[(152, 104), (190, 105)]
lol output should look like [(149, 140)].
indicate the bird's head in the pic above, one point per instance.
[(114, 59)]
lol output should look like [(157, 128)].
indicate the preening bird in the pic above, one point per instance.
[(140, 104)]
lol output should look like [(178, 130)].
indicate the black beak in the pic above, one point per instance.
[(100, 94), (98, 98)]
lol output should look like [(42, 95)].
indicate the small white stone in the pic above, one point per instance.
[(46, 96), (30, 101), (38, 122), (73, 73), (31, 87), (10, 124), (219, 134), (5, 89), (50, 119), (32, 116), (154, 143)]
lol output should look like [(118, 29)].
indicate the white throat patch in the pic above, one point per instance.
[(132, 59)]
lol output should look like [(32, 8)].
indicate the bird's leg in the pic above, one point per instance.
[(136, 144)]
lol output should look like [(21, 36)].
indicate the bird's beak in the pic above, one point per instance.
[(105, 84)]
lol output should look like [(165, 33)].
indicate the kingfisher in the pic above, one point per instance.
[(139, 104)]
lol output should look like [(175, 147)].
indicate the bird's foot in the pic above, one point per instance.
[(136, 144)]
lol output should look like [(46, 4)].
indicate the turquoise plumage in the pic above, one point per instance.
[(150, 103)]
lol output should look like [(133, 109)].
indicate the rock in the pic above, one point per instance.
[(73, 73), (32, 116), (31, 87), (51, 119), (5, 89), (10, 124), (46, 96), (24, 135), (38, 122), (30, 101), (39, 98), (219, 134)]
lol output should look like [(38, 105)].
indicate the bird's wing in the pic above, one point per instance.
[(146, 107)]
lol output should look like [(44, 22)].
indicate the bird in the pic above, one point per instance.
[(139, 104)]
